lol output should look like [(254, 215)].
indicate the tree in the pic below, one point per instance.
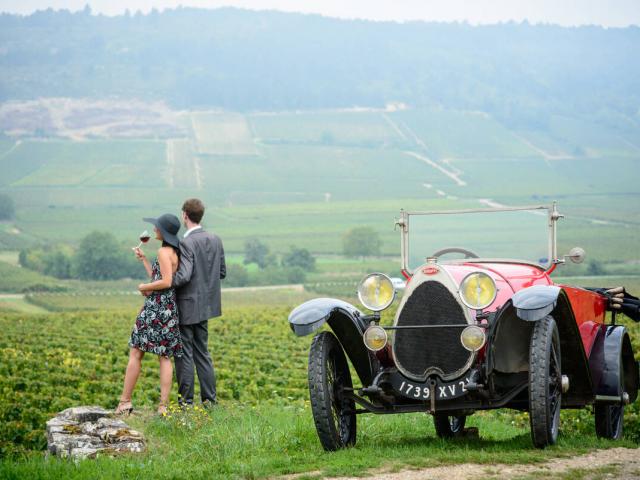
[(57, 262), (100, 257), (595, 268), (237, 276), (361, 242), (257, 252), (299, 257), (7, 207)]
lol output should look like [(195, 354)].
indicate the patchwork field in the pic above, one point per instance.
[(305, 178), (222, 134)]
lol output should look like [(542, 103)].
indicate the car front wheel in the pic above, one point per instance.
[(329, 378), (545, 383)]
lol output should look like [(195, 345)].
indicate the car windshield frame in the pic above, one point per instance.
[(552, 217)]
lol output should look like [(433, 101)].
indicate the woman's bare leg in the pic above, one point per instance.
[(166, 379), (131, 375)]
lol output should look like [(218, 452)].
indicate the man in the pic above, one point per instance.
[(197, 284)]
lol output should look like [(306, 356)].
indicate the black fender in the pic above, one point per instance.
[(510, 337), (611, 348), (347, 324), (535, 303)]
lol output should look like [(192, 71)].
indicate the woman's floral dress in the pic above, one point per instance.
[(156, 329)]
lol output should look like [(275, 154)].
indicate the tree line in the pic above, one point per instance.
[(100, 256)]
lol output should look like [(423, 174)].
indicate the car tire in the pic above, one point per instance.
[(334, 413), (545, 383), (610, 417), (449, 426)]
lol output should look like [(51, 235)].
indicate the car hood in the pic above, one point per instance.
[(510, 277)]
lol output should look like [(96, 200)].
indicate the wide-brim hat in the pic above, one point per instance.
[(169, 226)]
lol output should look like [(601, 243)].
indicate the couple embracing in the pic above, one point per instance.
[(183, 294)]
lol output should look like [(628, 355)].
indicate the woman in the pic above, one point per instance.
[(156, 328)]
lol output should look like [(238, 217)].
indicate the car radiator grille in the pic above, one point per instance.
[(419, 349)]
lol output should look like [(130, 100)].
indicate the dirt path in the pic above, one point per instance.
[(452, 175), (11, 296), (614, 463)]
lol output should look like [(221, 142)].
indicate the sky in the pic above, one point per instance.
[(609, 13)]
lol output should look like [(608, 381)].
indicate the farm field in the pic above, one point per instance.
[(261, 369), (305, 178), (222, 134)]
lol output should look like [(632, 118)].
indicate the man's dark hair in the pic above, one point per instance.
[(194, 208)]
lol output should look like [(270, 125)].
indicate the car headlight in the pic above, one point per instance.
[(478, 290), (376, 292), (473, 338), (375, 338)]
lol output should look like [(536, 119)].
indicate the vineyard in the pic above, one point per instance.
[(52, 362)]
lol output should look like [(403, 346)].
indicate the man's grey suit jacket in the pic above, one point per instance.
[(197, 281)]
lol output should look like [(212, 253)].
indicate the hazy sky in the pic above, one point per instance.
[(614, 13)]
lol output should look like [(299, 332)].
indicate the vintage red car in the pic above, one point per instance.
[(472, 333)]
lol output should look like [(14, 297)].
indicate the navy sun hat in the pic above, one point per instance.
[(169, 226)]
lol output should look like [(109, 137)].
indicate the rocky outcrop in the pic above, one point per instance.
[(83, 432)]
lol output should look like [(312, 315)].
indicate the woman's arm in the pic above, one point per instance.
[(142, 257), (166, 271)]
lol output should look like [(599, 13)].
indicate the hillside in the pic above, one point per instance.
[(305, 178), (246, 60), (295, 128)]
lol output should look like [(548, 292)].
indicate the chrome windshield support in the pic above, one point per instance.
[(553, 215), (403, 223)]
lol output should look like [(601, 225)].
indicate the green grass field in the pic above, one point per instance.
[(222, 134), (306, 178)]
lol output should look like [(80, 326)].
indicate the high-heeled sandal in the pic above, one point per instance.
[(123, 408)]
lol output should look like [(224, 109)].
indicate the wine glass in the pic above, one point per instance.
[(144, 238)]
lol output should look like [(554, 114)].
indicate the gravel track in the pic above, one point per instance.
[(623, 462)]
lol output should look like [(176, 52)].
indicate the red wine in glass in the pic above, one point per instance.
[(144, 238)]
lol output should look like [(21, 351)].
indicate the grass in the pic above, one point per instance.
[(98, 163), (15, 279), (344, 128), (10, 257), (18, 304), (105, 300), (242, 441), (222, 134)]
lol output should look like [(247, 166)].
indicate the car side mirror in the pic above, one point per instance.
[(576, 255)]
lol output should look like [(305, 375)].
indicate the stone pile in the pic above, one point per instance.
[(83, 432)]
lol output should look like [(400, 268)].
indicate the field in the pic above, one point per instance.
[(287, 178), (263, 426), (305, 178)]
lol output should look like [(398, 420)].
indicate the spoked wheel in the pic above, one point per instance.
[(545, 383), (449, 426), (333, 412), (610, 417)]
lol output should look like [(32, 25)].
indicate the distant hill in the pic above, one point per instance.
[(246, 61)]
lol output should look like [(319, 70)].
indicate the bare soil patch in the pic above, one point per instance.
[(612, 463)]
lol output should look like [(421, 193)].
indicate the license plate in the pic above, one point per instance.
[(422, 390)]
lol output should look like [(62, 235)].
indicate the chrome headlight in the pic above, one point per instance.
[(478, 290), (376, 292), (473, 338), (375, 338)]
